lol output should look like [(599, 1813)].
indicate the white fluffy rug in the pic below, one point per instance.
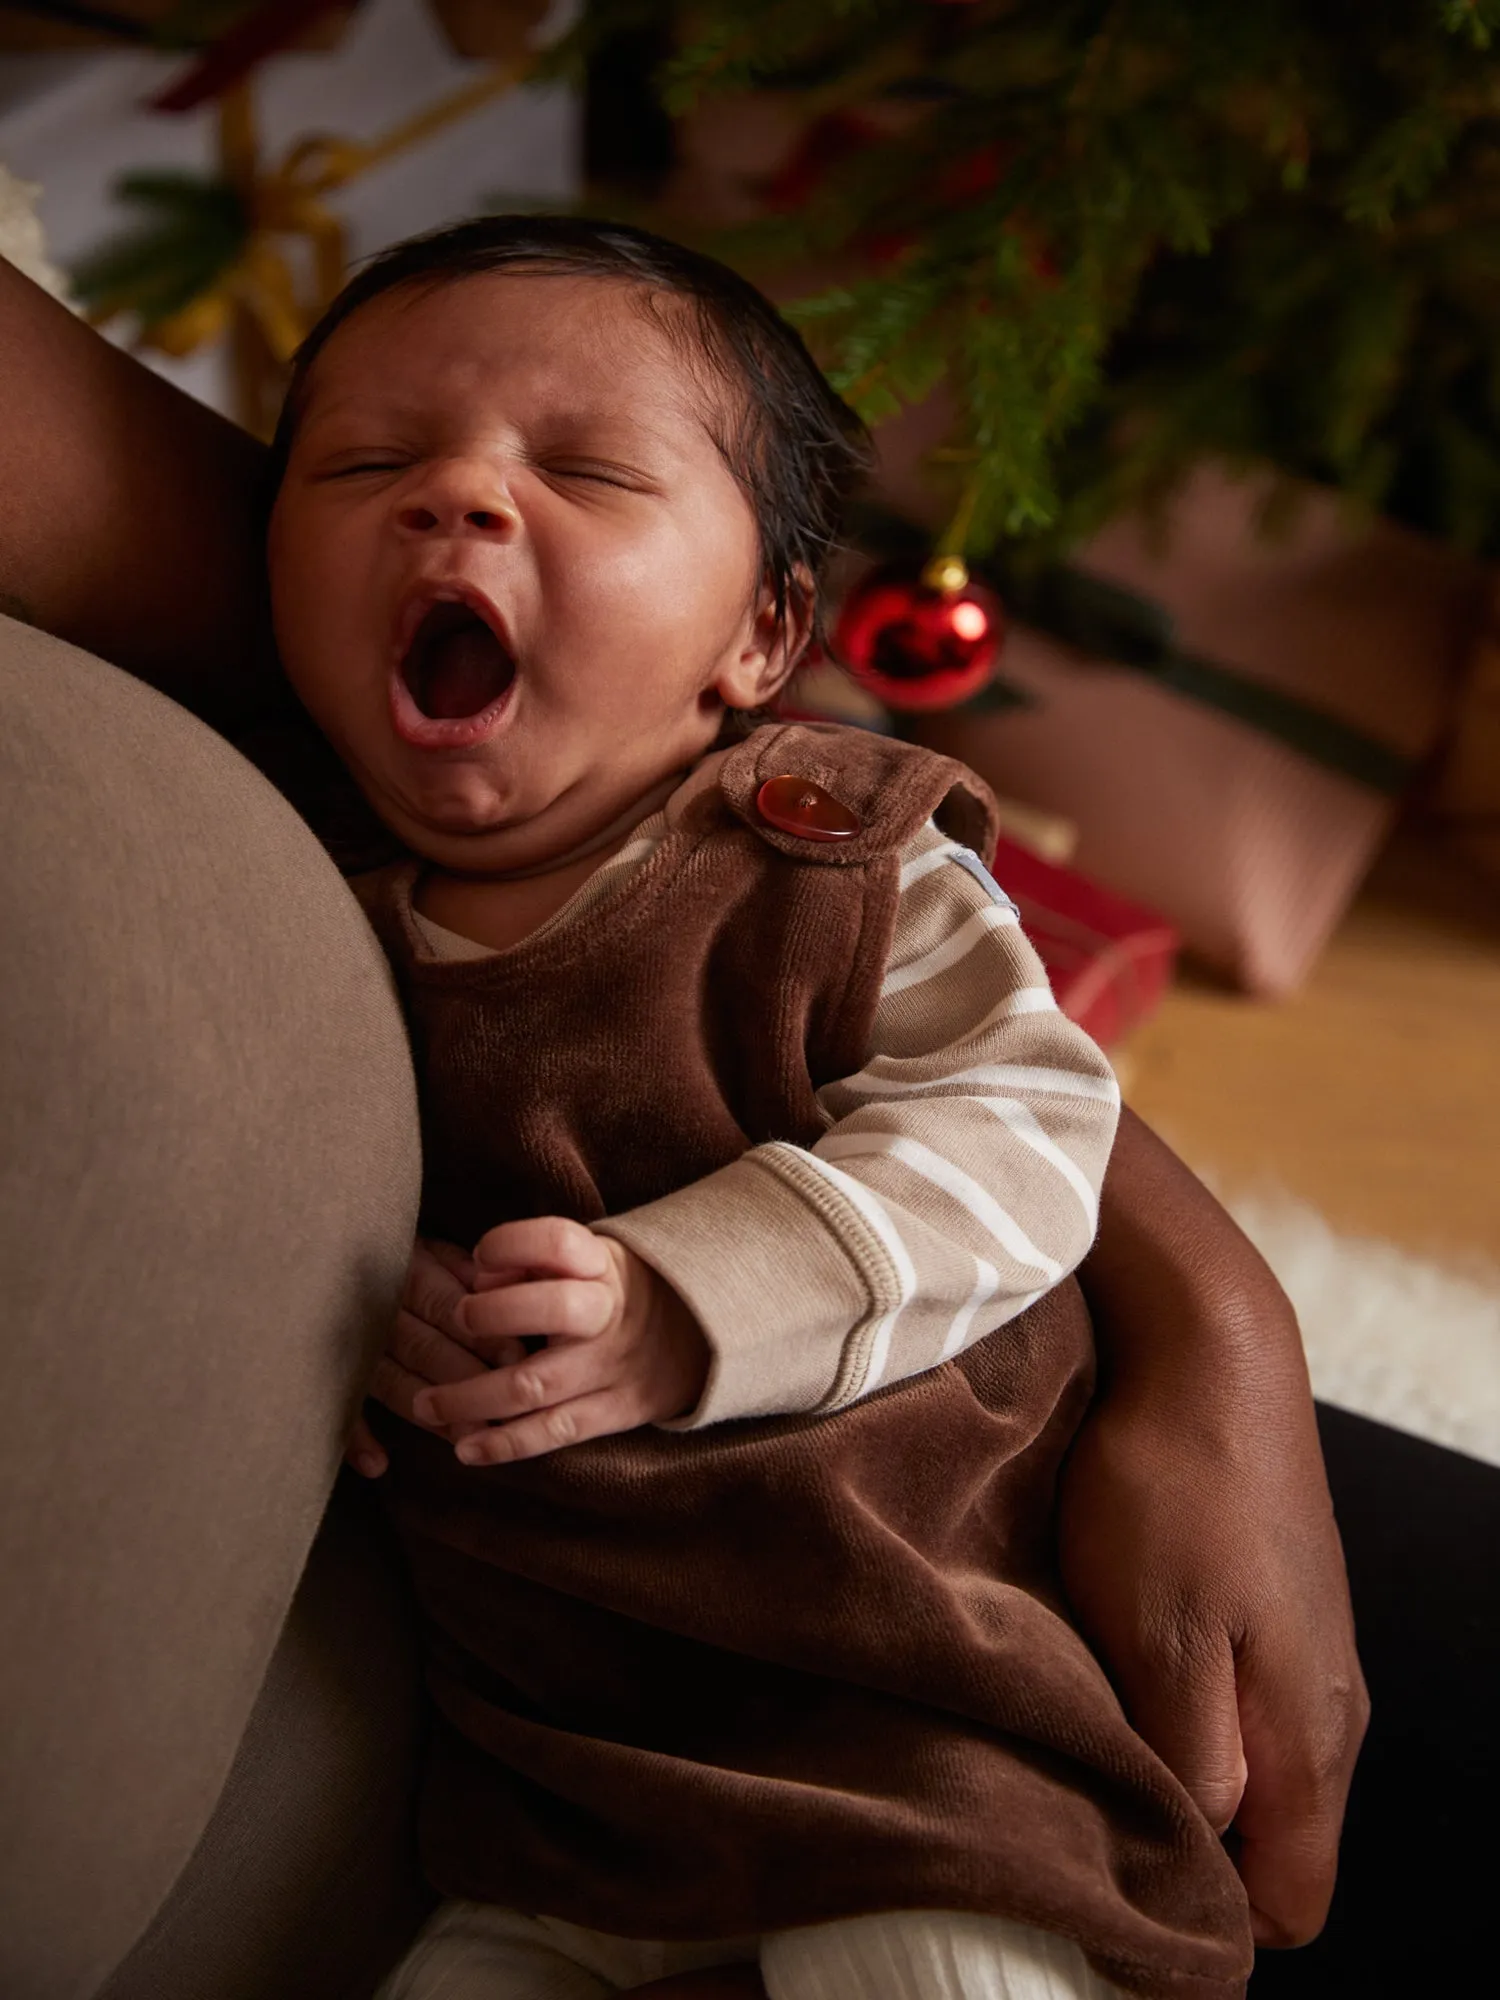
[(1411, 1343)]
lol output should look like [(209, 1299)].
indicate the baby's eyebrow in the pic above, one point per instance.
[(612, 428), (365, 408)]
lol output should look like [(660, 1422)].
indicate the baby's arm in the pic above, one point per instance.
[(958, 1179)]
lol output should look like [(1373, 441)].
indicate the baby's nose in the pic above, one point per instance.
[(422, 520), (459, 500)]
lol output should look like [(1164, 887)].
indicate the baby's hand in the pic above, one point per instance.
[(622, 1348), (426, 1346)]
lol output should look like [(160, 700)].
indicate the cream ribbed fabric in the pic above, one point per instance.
[(476, 1951)]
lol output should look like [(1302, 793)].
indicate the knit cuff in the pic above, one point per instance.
[(771, 1284)]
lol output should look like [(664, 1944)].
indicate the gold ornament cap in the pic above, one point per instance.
[(946, 574)]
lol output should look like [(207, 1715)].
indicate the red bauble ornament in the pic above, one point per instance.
[(925, 638)]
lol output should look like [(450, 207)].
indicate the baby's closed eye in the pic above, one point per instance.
[(596, 473), (367, 465)]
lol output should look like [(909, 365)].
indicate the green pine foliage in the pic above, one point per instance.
[(1130, 233), (192, 228)]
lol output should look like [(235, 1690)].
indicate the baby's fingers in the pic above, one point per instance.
[(546, 1308), (584, 1417), (420, 1349), (552, 1376), (543, 1246), (437, 1279), (400, 1390), (364, 1451)]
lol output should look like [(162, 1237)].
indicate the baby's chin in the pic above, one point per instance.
[(474, 820), (463, 815), (469, 834), (466, 843)]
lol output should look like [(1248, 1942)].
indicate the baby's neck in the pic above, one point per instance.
[(501, 910), (600, 844)]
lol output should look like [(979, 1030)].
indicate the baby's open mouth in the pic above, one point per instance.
[(455, 666)]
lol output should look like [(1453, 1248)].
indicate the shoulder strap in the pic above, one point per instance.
[(892, 788)]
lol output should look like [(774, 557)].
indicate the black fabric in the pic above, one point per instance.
[(1414, 1911)]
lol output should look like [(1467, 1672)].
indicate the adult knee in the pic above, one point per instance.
[(207, 1193)]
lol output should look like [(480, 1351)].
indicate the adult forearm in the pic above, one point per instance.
[(128, 512), (1197, 1535), (1171, 1280)]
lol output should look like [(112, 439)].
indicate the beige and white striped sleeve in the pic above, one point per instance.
[(958, 1179)]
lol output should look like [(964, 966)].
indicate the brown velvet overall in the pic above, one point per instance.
[(721, 1682)]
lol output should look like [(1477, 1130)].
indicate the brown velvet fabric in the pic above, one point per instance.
[(598, 1066), (208, 1184), (776, 1672)]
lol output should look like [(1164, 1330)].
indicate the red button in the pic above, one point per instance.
[(796, 805)]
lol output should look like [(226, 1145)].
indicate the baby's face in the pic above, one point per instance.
[(513, 580)]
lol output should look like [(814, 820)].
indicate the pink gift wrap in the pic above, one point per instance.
[(1251, 849)]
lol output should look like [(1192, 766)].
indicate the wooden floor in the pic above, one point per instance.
[(1375, 1093)]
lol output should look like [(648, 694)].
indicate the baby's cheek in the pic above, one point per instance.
[(294, 613)]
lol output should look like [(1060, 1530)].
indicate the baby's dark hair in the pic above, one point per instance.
[(798, 452)]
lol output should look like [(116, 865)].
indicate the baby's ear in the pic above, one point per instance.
[(774, 645)]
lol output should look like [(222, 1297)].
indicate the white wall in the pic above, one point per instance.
[(74, 124)]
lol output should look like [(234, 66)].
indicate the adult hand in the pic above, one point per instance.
[(426, 1346), (1197, 1535), (621, 1349)]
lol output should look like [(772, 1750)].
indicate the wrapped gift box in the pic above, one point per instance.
[(1109, 960), (1250, 846)]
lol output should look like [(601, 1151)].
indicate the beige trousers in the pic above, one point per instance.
[(476, 1951), (208, 1178)]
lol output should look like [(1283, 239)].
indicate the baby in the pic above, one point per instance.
[(742, 1094)]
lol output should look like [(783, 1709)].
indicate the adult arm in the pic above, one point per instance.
[(128, 512), (1198, 1540)]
